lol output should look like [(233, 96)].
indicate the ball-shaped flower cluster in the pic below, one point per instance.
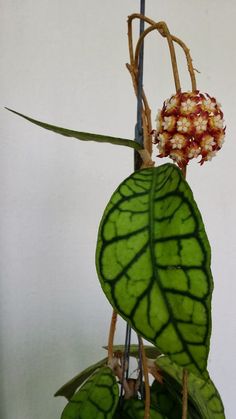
[(189, 125)]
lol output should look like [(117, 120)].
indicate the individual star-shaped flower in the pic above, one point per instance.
[(200, 123), (169, 123), (216, 122), (188, 106), (178, 141), (184, 125), (193, 151), (172, 105), (207, 142), (209, 105)]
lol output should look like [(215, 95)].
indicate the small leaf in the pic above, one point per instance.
[(84, 136), (153, 262), (68, 389), (96, 399), (203, 396)]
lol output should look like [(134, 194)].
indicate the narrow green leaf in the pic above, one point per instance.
[(203, 395), (84, 136), (153, 262), (68, 389), (151, 351), (96, 399)]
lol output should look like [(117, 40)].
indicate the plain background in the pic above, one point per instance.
[(64, 62)]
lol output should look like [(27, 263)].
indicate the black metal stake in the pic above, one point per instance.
[(139, 124), (137, 165)]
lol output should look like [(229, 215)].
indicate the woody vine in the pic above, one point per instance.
[(153, 262)]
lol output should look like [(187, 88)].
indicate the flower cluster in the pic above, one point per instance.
[(189, 125)]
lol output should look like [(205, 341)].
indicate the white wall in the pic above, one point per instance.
[(63, 62)]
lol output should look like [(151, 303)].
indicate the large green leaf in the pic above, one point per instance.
[(153, 262), (203, 395), (84, 136), (97, 398), (68, 389)]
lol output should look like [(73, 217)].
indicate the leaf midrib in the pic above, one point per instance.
[(155, 270)]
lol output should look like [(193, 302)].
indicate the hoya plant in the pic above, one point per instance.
[(153, 260)]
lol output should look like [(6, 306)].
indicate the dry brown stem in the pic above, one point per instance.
[(146, 381), (118, 371), (185, 395), (154, 370), (191, 69), (184, 171), (111, 336), (162, 31), (146, 112)]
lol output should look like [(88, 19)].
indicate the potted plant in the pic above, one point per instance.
[(153, 260)]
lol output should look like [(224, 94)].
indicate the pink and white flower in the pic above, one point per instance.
[(178, 141), (172, 104), (209, 105), (193, 151), (200, 123), (216, 122), (207, 142), (184, 124), (190, 125), (188, 106), (169, 123)]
